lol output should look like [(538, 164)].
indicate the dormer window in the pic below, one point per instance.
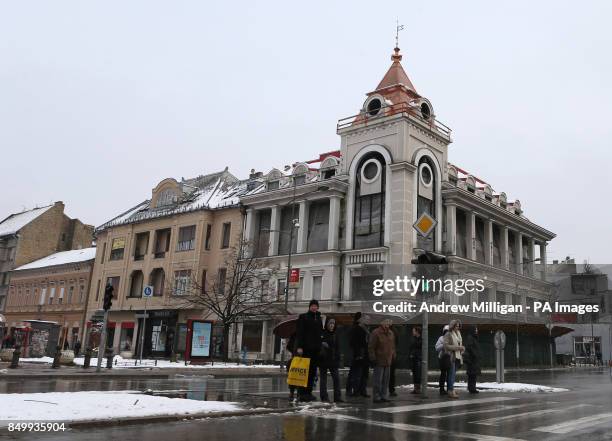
[(273, 185), (328, 174), (299, 180), (374, 107), (166, 197)]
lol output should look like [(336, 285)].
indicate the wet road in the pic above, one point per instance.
[(585, 412)]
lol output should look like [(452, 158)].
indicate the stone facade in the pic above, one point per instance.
[(179, 233), (52, 292), (31, 235)]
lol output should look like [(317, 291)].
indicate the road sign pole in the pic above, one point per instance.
[(102, 345), (144, 326)]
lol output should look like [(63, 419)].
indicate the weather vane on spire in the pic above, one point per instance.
[(398, 28)]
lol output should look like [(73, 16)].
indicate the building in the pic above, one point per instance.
[(33, 234), (51, 290), (590, 339), (183, 233), (351, 214)]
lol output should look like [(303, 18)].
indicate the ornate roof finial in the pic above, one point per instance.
[(396, 56)]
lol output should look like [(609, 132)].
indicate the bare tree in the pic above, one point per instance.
[(237, 292)]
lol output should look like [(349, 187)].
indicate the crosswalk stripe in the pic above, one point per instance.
[(471, 412), (516, 416), (441, 404), (580, 423), (420, 429)]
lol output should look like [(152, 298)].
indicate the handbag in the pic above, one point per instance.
[(298, 372)]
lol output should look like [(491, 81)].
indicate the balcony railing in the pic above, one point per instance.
[(395, 109)]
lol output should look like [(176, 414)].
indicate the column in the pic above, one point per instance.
[(488, 245), (302, 232), (346, 284), (531, 263), (274, 230), (249, 231), (264, 337), (519, 252), (543, 259), (334, 223), (451, 230), (471, 229), (505, 259)]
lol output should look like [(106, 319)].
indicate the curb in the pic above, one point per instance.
[(195, 416)]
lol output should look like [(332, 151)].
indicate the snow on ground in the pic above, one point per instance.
[(146, 363), (80, 406), (505, 387)]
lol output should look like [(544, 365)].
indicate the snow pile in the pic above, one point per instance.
[(507, 387), (127, 363), (81, 406)]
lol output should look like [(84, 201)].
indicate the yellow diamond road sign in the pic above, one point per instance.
[(425, 224)]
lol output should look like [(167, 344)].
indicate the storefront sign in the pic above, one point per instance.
[(199, 333)]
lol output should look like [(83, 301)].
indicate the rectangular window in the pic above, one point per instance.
[(280, 288), (479, 240), (70, 292), (162, 242), (103, 252), (203, 288), (288, 214), (462, 233), (369, 221), (317, 282), (51, 295), (186, 239), (227, 229), (43, 294), (273, 185), (265, 290), (114, 281), (141, 245), (60, 300), (263, 233), (318, 226), (251, 336), (182, 282), (81, 293), (512, 251), (98, 290), (299, 180), (221, 280), (117, 248), (208, 235), (496, 246)]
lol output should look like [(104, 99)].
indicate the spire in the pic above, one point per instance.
[(396, 74)]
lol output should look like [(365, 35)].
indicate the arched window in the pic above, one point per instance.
[(426, 199), (157, 280), (136, 284), (369, 216)]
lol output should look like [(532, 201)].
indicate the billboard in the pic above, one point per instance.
[(199, 334)]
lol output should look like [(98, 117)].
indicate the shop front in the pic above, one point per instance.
[(160, 333)]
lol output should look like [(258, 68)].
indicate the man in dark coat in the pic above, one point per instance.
[(471, 358), (77, 348), (358, 375), (330, 360), (308, 343), (416, 356)]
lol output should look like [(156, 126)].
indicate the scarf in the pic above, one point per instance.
[(457, 341)]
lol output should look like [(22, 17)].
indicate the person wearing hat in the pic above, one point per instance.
[(308, 343), (443, 361)]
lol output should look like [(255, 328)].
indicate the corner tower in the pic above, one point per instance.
[(394, 152)]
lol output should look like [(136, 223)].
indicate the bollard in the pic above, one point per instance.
[(16, 355), (499, 341), (56, 358), (87, 359)]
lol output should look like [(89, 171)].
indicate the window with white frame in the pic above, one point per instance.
[(182, 282)]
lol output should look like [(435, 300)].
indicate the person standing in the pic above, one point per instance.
[(443, 361), (453, 344), (471, 357), (381, 349), (357, 382), (416, 356), (77, 347), (309, 332), (330, 360), (392, 384)]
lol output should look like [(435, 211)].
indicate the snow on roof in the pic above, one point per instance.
[(61, 258), (213, 191), (15, 222)]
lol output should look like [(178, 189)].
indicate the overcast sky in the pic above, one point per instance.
[(100, 100)]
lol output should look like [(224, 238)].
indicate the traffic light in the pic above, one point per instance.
[(108, 297), (429, 266)]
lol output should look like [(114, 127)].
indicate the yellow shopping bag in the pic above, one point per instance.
[(298, 372)]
